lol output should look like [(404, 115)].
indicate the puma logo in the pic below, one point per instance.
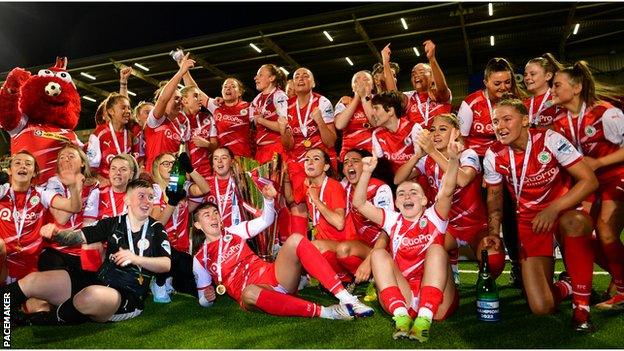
[(116, 238)]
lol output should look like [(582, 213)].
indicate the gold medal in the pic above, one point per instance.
[(140, 279), (307, 143), (366, 125), (220, 289)]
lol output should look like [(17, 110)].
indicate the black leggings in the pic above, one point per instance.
[(182, 273)]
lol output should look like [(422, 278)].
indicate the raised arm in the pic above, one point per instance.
[(363, 206), (387, 69), (249, 229), (171, 87), (442, 90), (124, 74), (444, 198)]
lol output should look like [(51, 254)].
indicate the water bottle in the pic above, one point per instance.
[(177, 176), (488, 303)]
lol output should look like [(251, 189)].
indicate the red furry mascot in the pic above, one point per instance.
[(40, 113)]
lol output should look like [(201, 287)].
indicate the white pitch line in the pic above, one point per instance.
[(507, 272)]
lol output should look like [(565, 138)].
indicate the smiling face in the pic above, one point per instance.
[(441, 131), (119, 174), (564, 90), (139, 202), (208, 220), (164, 166), (536, 78), (410, 199), (497, 84), (314, 163), (221, 163), (231, 90), (191, 101), (508, 124), (352, 167), (420, 78), (120, 111), (22, 168)]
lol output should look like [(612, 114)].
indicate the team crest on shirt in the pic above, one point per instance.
[(206, 121), (544, 157), (34, 200), (590, 131), (422, 223)]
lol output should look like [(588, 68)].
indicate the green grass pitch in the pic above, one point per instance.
[(184, 324)]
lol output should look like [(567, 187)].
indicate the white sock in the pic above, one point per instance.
[(324, 313), (345, 297), (425, 312), (400, 311)]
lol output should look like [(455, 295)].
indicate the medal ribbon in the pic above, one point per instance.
[(304, 125), (19, 225), (116, 142), (576, 134), (316, 215), (519, 184), (534, 120)]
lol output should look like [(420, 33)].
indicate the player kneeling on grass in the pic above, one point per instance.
[(222, 255), (137, 248), (414, 273)]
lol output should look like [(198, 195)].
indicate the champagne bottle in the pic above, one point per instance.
[(177, 176), (488, 303)]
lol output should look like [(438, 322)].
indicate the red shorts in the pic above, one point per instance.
[(264, 153), (533, 244), (467, 235), (297, 176)]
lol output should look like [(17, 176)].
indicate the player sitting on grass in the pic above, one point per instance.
[(414, 273), (222, 255)]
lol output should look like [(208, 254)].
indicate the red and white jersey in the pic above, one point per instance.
[(409, 241), (43, 141), (600, 132), (177, 227), (542, 111), (237, 259), (271, 106), (201, 124), (398, 147), (112, 203), (358, 132), (106, 143), (332, 194), (380, 195), (163, 135), (468, 212), (303, 127), (231, 127), (90, 202), (475, 122), (545, 179), (227, 201), (421, 108), (21, 218)]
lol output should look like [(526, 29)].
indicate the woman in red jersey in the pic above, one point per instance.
[(411, 271), (223, 257), (538, 167), (266, 107), (123, 169), (596, 128), (538, 78), (468, 217), (22, 209)]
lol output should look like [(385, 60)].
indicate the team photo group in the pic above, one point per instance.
[(215, 196)]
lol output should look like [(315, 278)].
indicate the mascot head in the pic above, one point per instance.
[(50, 97)]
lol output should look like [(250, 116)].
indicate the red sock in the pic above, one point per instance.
[(614, 253), (579, 259), (313, 262), (497, 264), (283, 224), (561, 290), (331, 258), (431, 298), (299, 225), (391, 298), (279, 304), (351, 263)]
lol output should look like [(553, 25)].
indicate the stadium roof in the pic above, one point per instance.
[(461, 31)]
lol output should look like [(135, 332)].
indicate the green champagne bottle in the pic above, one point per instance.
[(177, 176), (488, 303)]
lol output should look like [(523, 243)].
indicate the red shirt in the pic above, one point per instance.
[(545, 179), (541, 110), (200, 157), (600, 133), (231, 127), (104, 145), (358, 132), (475, 122), (398, 147), (421, 109), (271, 105), (308, 125), (163, 135), (108, 208), (333, 196), (380, 195)]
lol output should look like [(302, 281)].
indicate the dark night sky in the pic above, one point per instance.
[(33, 34)]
